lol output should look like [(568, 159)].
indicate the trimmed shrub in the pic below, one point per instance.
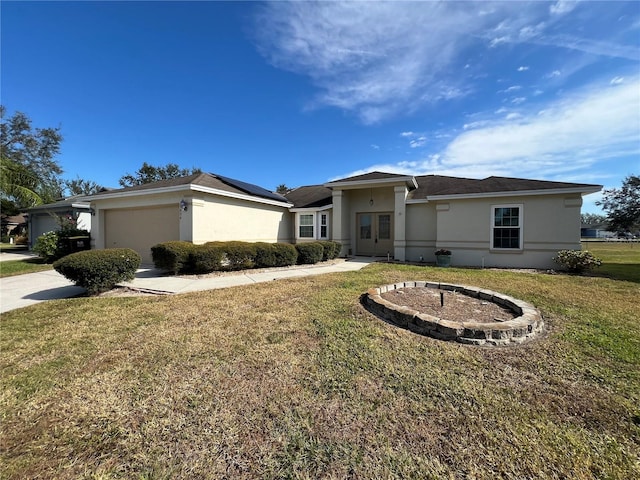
[(173, 257), (265, 255), (206, 259), (285, 254), (331, 249), (99, 270), (238, 255), (577, 261), (309, 253)]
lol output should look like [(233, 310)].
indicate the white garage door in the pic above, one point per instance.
[(141, 228)]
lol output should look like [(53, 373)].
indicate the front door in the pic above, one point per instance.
[(374, 234)]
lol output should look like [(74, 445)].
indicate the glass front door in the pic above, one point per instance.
[(375, 234)]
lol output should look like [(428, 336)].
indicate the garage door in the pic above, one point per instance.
[(141, 228)]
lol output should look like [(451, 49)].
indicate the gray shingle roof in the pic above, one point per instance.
[(311, 196), (370, 176), (207, 180), (429, 185)]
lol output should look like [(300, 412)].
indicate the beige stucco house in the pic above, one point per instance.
[(496, 221)]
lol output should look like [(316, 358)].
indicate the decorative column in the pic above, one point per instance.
[(340, 222), (399, 223)]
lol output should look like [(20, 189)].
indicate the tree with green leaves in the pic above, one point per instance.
[(79, 186), (29, 173), (622, 205), (282, 189), (592, 219), (149, 174)]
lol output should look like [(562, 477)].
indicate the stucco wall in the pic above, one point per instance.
[(421, 232), (220, 218), (550, 223)]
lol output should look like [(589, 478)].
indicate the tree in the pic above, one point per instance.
[(78, 186), (592, 219), (29, 174), (282, 189), (623, 205), (149, 174)]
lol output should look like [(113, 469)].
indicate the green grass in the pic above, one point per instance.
[(620, 260), (294, 379), (8, 247), (9, 268)]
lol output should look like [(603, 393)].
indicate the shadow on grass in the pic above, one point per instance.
[(629, 272)]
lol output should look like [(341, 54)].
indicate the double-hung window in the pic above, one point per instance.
[(323, 225), (506, 227), (306, 226)]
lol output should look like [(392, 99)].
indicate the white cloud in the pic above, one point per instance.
[(617, 80), (375, 147), (376, 59), (523, 68), (418, 142), (566, 136), (566, 139), (518, 100), (407, 134), (562, 7), (555, 73)]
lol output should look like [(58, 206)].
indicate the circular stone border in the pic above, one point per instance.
[(525, 326)]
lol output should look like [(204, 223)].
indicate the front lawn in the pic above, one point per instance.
[(294, 379), (9, 268)]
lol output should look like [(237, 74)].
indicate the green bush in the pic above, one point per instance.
[(577, 261), (47, 246), (237, 255), (309, 253), (331, 250), (185, 257), (265, 256), (174, 257), (99, 270), (205, 259), (285, 254)]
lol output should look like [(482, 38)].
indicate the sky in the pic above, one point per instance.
[(301, 93)]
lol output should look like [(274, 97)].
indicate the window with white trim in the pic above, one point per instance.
[(323, 225), (506, 227), (305, 229)]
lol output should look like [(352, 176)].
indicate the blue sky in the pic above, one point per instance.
[(301, 93)]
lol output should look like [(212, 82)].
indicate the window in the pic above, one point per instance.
[(323, 225), (384, 227), (306, 226), (365, 227), (506, 227)]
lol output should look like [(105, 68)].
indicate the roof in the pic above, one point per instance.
[(13, 219), (75, 201), (311, 196), (439, 185), (206, 180), (370, 176)]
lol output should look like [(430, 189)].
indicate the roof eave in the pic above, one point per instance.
[(410, 181), (582, 190)]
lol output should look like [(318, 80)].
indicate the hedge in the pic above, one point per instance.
[(99, 270), (185, 257), (174, 257), (309, 253)]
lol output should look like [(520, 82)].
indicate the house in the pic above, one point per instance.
[(598, 230), (493, 222), (12, 225), (46, 218)]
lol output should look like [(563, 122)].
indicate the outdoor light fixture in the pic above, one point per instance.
[(183, 205), (371, 197)]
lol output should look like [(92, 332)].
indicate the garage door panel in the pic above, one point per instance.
[(141, 228)]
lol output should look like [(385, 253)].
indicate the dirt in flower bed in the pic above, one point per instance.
[(457, 307)]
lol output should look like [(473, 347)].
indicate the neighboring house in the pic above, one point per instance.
[(598, 230), (46, 218), (13, 225), (497, 221)]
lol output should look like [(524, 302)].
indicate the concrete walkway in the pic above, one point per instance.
[(24, 290)]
